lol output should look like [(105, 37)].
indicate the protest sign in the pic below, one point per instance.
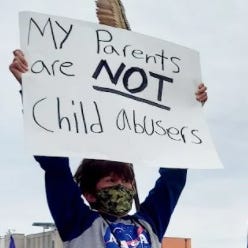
[(99, 92)]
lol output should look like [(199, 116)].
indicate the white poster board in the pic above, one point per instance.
[(100, 92)]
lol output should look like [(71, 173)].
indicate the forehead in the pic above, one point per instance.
[(117, 176), (116, 170), (113, 179)]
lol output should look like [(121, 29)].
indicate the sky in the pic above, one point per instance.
[(213, 209)]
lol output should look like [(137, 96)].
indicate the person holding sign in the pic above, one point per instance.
[(109, 188)]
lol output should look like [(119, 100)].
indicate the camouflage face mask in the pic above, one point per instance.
[(115, 200)]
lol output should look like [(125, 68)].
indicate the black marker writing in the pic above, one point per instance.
[(56, 67), (105, 45), (35, 113), (142, 85), (49, 25), (74, 121), (145, 125)]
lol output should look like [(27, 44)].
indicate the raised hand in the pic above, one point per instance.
[(19, 65), (201, 93)]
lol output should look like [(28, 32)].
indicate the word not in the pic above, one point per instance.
[(56, 67), (149, 126), (128, 84), (104, 37), (76, 122), (54, 27)]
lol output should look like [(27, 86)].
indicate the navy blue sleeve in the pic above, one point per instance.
[(71, 215), (162, 199)]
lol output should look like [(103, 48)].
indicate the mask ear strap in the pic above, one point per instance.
[(136, 196)]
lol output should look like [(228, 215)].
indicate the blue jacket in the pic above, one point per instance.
[(81, 227)]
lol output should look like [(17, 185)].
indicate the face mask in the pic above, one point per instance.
[(115, 200)]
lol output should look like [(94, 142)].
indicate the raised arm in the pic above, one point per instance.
[(162, 199), (71, 215)]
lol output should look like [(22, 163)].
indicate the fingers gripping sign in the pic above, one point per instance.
[(201, 93), (19, 65)]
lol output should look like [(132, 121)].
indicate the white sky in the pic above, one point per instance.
[(213, 209)]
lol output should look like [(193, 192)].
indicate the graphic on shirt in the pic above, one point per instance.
[(126, 236)]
